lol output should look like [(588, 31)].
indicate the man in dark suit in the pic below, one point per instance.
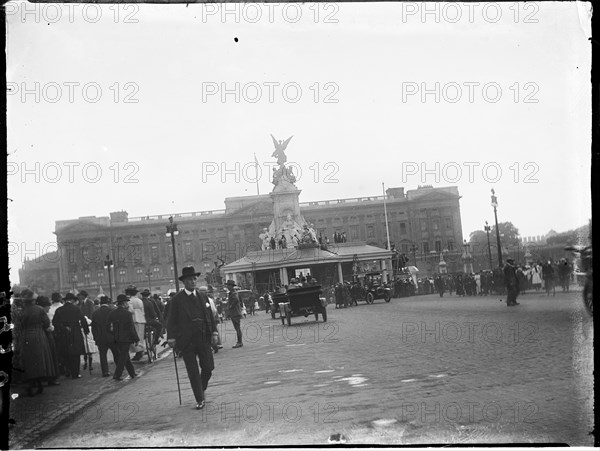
[(234, 307), (68, 322), (85, 304), (151, 314), (120, 324), (104, 339), (511, 282), (192, 331)]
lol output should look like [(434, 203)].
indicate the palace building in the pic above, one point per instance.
[(423, 223)]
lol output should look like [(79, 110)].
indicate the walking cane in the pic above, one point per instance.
[(176, 372)]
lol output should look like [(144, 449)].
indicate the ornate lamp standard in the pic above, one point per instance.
[(495, 205), (467, 265), (108, 264), (487, 229), (172, 232), (74, 281)]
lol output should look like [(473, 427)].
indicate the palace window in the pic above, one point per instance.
[(122, 275), (448, 222), (188, 250), (154, 253), (403, 228), (156, 272), (423, 225), (139, 272), (438, 246), (71, 254), (370, 231), (436, 224), (450, 245), (425, 247)]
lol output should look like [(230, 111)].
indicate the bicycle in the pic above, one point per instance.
[(149, 336)]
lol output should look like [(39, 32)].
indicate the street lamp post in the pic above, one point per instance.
[(495, 205), (149, 274), (467, 265), (108, 264), (171, 233), (487, 229)]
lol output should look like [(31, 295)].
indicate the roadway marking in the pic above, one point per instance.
[(272, 382), (325, 371)]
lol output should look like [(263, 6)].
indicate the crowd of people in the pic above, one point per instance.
[(53, 336)]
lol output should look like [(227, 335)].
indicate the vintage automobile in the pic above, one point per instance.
[(302, 301), (375, 288)]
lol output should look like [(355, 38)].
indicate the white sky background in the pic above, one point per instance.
[(368, 54)]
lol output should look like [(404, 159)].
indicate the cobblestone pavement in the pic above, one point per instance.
[(414, 371)]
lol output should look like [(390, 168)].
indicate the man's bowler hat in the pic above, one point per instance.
[(231, 283), (131, 290), (122, 298), (145, 293), (70, 297), (188, 271)]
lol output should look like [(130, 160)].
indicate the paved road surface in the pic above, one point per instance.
[(415, 370)]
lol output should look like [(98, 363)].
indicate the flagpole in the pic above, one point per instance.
[(387, 230), (256, 172)]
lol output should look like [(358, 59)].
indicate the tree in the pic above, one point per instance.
[(508, 234)]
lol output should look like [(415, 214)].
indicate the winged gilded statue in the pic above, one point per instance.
[(280, 147)]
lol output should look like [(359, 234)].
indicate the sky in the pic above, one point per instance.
[(160, 109)]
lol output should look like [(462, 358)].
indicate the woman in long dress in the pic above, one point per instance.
[(45, 303), (37, 358), (536, 279), (90, 348)]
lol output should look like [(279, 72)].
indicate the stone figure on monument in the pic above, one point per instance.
[(265, 238), (279, 152)]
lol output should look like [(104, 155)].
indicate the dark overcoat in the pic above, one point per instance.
[(68, 322), (180, 325)]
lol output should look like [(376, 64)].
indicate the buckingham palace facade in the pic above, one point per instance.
[(422, 223)]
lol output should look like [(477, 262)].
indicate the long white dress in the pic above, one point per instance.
[(536, 278), (136, 307), (91, 344)]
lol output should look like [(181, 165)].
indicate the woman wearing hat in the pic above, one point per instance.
[(38, 363)]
